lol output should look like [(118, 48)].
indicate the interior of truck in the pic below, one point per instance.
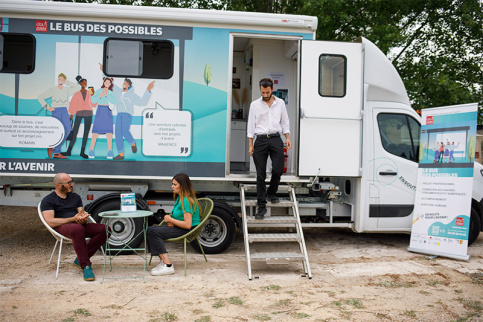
[(255, 57)]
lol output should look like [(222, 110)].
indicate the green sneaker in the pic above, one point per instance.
[(76, 263), (88, 274)]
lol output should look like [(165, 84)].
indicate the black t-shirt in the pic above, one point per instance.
[(63, 208)]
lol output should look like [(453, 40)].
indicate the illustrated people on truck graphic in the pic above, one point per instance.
[(103, 122), (60, 100), (125, 108), (81, 106)]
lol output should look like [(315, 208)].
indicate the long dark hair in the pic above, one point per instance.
[(186, 190), (104, 80)]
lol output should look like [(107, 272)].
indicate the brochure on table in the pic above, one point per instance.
[(441, 217), (128, 202)]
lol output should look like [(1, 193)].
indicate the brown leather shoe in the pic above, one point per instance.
[(134, 148), (59, 156)]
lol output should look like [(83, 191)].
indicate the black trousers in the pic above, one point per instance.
[(263, 148), (87, 128)]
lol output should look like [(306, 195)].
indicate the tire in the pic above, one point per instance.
[(475, 226), (217, 234), (125, 229)]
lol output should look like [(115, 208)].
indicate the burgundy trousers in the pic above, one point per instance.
[(78, 233)]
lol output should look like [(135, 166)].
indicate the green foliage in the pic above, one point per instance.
[(436, 46)]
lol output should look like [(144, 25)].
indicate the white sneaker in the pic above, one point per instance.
[(158, 267), (163, 270)]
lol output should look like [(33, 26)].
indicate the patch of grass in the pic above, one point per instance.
[(330, 293), (300, 315), (68, 320), (218, 303), (14, 307), (468, 317), (210, 294), (355, 303), (197, 311), (424, 292), (283, 302), (205, 318), (475, 305), (458, 291), (346, 314), (262, 317), (392, 284), (477, 277), (272, 287), (410, 313), (83, 312), (337, 303), (381, 316), (235, 300), (112, 306), (434, 283)]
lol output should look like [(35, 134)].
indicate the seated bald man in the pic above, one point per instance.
[(63, 211)]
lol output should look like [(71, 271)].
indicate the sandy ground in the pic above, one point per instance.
[(357, 277)]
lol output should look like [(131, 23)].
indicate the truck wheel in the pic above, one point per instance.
[(123, 230), (217, 234), (475, 226)]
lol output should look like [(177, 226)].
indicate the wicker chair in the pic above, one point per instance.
[(206, 207)]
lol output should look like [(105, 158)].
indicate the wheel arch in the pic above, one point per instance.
[(140, 202), (479, 208), (231, 211)]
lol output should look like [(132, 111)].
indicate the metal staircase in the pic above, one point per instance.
[(289, 220)]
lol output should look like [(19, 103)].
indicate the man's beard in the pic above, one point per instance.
[(65, 190), (267, 99)]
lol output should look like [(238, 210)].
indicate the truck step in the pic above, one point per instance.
[(276, 256), (273, 238), (282, 203), (272, 220), (254, 187)]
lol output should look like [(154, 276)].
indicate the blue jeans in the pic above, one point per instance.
[(123, 122), (62, 115)]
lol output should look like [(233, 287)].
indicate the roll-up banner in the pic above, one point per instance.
[(441, 217)]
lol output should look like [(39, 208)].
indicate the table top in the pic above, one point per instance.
[(121, 214)]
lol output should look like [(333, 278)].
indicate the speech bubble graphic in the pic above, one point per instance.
[(30, 131), (166, 133)]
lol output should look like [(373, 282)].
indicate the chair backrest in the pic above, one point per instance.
[(50, 229), (206, 207), (54, 233)]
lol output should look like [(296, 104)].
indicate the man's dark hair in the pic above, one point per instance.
[(266, 82)]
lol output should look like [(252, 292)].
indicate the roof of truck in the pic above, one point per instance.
[(175, 16)]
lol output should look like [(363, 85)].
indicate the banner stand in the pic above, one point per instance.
[(426, 252), (442, 207)]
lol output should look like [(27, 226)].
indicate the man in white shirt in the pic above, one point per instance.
[(267, 121)]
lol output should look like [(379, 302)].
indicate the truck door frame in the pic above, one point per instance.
[(294, 117)]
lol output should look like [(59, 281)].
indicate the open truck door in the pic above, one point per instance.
[(330, 108)]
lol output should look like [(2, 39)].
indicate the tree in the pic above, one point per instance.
[(436, 45), (207, 74)]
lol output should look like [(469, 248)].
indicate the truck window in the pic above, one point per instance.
[(399, 135), (332, 75), (139, 58), (17, 53)]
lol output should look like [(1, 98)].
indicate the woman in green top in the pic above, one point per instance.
[(184, 216)]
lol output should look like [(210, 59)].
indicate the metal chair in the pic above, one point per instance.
[(206, 207), (59, 238)]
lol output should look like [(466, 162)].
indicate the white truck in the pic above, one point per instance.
[(355, 136)]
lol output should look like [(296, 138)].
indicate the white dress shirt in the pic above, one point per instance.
[(267, 120)]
